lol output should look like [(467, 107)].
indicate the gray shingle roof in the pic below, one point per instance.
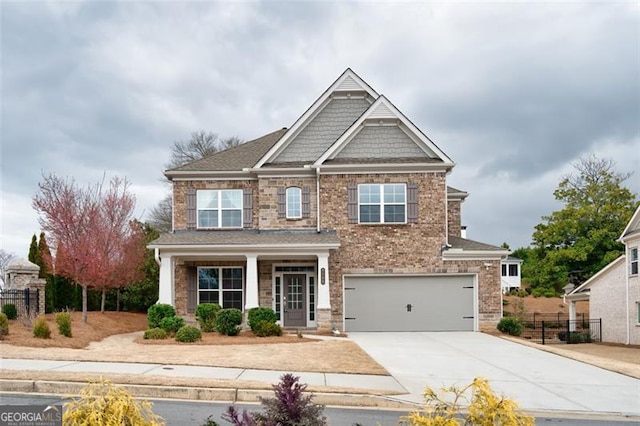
[(236, 158), (248, 237), (464, 244)]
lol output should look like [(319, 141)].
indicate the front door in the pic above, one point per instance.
[(294, 300)]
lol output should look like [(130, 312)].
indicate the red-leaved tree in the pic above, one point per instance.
[(99, 246)]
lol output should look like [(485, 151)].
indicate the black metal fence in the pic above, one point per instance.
[(26, 301), (566, 331), (553, 317)]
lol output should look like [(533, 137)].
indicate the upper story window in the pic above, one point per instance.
[(633, 261), (294, 203), (510, 270), (219, 208), (382, 203)]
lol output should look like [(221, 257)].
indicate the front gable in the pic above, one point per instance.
[(350, 124), (632, 230)]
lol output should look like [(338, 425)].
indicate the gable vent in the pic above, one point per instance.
[(382, 111), (349, 84)]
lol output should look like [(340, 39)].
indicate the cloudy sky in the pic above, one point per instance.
[(513, 92)]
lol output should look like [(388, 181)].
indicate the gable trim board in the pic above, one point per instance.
[(633, 227)]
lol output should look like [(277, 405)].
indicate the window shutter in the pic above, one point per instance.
[(412, 203), (282, 202), (247, 207), (306, 202), (352, 202), (192, 289), (191, 208)]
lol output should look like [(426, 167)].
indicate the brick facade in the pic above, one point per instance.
[(454, 218)]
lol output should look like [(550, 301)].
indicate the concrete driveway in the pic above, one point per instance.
[(537, 380)]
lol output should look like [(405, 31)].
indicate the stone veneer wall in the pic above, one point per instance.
[(454, 218), (268, 203), (399, 249)]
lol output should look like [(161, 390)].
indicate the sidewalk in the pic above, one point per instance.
[(374, 388)]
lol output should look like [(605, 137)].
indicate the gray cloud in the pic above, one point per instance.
[(512, 92)]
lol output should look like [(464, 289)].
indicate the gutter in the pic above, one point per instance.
[(628, 316), (156, 255)]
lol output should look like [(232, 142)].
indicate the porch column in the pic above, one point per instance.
[(324, 295), (165, 290), (572, 315), (252, 282)]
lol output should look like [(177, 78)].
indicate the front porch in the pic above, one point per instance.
[(292, 278)]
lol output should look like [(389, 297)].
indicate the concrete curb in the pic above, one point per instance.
[(229, 395)]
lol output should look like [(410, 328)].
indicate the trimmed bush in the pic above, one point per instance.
[(155, 334), (265, 329), (228, 321), (10, 311), (510, 326), (172, 324), (188, 334), (108, 405), (63, 320), (157, 312), (4, 325), (206, 314), (575, 336), (41, 328), (257, 315)]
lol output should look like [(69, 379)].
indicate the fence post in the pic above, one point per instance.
[(27, 304), (534, 320), (599, 329), (543, 332), (568, 331)]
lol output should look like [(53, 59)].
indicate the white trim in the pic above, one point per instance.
[(425, 144), (382, 204), (286, 202), (220, 290), (459, 254), (219, 208), (634, 222), (313, 111)]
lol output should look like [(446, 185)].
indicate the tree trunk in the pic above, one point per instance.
[(84, 303), (118, 300), (104, 297)]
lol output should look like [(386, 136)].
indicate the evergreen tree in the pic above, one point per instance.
[(33, 250)]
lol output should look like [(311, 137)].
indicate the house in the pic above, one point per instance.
[(510, 274), (614, 292), (343, 221)]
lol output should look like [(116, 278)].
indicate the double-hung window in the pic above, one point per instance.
[(219, 208), (294, 203), (221, 285), (633, 261), (382, 203)]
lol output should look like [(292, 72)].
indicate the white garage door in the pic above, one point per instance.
[(433, 303)]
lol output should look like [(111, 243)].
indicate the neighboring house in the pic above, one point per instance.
[(343, 221), (510, 274), (614, 292)]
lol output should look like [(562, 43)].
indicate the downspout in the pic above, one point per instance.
[(156, 255), (628, 316), (318, 199)]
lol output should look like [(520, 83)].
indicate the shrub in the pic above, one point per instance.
[(4, 325), (575, 337), (63, 320), (289, 407), (511, 326), (483, 408), (188, 333), (155, 334), (41, 328), (257, 315), (172, 324), (158, 311), (108, 405), (228, 321), (10, 311), (265, 329), (206, 314)]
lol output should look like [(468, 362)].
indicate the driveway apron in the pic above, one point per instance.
[(537, 380)]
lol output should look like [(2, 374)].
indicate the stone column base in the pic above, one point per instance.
[(323, 319)]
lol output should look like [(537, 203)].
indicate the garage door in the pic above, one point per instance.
[(434, 303)]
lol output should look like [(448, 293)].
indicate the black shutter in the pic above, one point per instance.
[(192, 289), (412, 203), (282, 202), (352, 202), (191, 209), (306, 202), (247, 208)]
